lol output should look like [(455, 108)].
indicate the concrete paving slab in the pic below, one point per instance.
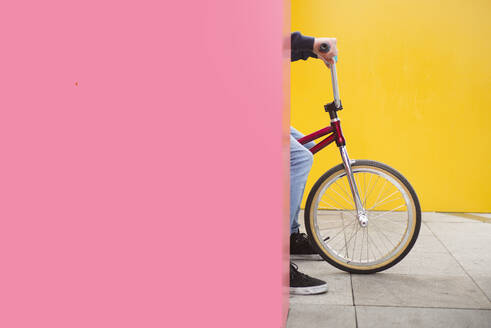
[(425, 261), (339, 284), (424, 230), (426, 244), (386, 289), (483, 217), (442, 217), (428, 257), (484, 282), (468, 243), (321, 316), (445, 281), (462, 230), (394, 317)]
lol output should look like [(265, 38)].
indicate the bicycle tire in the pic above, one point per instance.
[(315, 217)]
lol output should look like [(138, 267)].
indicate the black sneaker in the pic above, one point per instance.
[(301, 284), (301, 248)]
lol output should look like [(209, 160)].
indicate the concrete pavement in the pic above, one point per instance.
[(445, 281)]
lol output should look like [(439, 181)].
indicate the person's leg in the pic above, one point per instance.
[(297, 135), (301, 160), (302, 284)]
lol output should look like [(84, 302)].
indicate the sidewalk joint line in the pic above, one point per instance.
[(460, 264), (423, 307), (470, 216), (353, 298)]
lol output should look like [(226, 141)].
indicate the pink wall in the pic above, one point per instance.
[(143, 164)]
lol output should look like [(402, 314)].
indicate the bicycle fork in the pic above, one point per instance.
[(332, 108), (361, 213)]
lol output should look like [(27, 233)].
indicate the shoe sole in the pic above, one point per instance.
[(313, 290), (309, 257)]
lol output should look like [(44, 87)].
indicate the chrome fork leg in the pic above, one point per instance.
[(360, 211)]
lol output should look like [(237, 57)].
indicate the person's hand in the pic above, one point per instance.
[(327, 57)]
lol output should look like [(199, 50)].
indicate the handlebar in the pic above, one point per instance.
[(324, 47)]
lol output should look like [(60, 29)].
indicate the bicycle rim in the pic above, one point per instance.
[(393, 218)]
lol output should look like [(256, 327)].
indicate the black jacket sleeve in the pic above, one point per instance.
[(301, 46)]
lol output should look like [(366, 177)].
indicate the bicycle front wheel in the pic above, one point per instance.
[(393, 211)]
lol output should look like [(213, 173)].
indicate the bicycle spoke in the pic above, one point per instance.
[(383, 234), (398, 207), (362, 239), (368, 249), (383, 200), (381, 190), (373, 187), (344, 227), (349, 211), (331, 228), (348, 201), (382, 242), (365, 188), (354, 243), (359, 186), (388, 202), (330, 214), (368, 236), (334, 207), (351, 237), (344, 233)]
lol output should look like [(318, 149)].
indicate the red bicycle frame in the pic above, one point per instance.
[(333, 132)]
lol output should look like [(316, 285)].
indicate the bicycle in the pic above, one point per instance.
[(359, 200)]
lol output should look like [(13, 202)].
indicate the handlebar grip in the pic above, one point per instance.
[(324, 47)]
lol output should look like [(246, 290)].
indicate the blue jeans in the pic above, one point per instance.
[(301, 160)]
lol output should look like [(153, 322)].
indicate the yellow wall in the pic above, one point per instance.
[(415, 82)]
